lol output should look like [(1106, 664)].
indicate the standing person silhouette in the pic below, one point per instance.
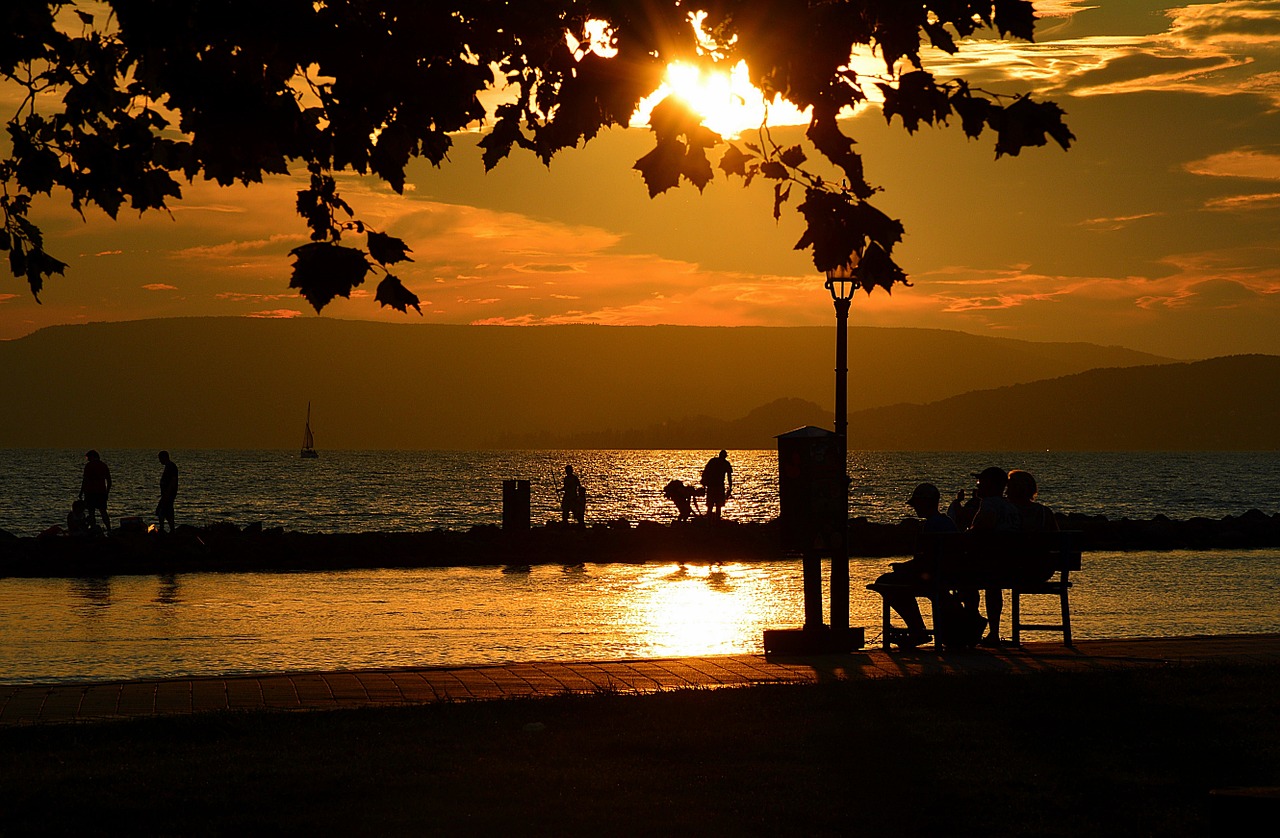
[(714, 475), (168, 491), (94, 488), (573, 497)]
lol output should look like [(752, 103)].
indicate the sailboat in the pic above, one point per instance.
[(308, 439)]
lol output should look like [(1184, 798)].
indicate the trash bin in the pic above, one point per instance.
[(515, 504), (812, 489)]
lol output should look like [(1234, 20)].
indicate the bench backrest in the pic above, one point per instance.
[(975, 556)]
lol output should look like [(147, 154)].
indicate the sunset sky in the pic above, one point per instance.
[(1159, 230)]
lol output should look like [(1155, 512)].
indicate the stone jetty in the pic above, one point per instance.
[(228, 547)]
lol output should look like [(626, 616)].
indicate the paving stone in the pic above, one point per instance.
[(380, 687), (311, 688), (137, 699), (63, 702), (25, 706), (278, 691), (100, 700), (346, 687), (243, 693), (563, 679), (414, 687), (446, 685), (208, 694), (476, 684), (173, 697)]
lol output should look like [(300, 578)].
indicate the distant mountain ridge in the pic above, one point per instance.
[(245, 383), (747, 432), (1221, 404)]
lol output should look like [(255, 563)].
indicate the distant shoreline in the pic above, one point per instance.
[(226, 547)]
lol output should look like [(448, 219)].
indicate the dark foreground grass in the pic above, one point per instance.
[(1115, 753)]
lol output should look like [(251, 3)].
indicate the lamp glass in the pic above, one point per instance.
[(840, 282)]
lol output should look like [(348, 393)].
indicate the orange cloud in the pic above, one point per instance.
[(1211, 49), (1118, 222), (1241, 163), (275, 314), (1233, 203), (159, 286), (240, 297)]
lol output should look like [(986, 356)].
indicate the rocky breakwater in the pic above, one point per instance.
[(226, 547)]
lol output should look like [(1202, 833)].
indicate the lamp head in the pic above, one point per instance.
[(841, 282)]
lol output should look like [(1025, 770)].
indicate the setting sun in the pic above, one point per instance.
[(726, 99)]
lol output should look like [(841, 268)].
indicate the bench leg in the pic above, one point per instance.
[(1066, 616), (886, 624), (1015, 601)]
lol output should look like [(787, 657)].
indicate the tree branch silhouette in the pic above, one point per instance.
[(120, 111)]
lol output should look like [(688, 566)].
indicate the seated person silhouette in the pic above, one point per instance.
[(924, 502), (1021, 491), (993, 513)]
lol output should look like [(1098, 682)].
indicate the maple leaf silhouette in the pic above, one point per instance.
[(324, 270), (387, 250), (391, 292), (734, 161)]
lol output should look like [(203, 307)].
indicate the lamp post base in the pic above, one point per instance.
[(813, 641)]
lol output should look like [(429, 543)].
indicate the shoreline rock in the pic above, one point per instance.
[(227, 547)]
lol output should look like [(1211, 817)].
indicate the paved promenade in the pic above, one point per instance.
[(103, 701)]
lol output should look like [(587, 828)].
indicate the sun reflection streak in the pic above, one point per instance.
[(700, 609)]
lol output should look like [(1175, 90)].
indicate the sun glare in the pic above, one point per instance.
[(730, 104), (727, 100)]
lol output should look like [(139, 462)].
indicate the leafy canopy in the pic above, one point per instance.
[(119, 111)]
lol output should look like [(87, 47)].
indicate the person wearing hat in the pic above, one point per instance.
[(924, 502), (94, 487)]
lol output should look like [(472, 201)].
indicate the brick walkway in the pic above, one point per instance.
[(92, 702)]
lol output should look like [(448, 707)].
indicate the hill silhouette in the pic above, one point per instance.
[(1225, 404), (755, 430), (245, 383)]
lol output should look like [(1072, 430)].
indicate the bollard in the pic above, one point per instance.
[(515, 504)]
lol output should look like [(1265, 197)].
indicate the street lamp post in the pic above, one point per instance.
[(841, 284), (814, 505)]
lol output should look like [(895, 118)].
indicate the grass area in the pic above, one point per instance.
[(1119, 752)]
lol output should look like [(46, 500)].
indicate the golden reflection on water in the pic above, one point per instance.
[(699, 609), (204, 624)]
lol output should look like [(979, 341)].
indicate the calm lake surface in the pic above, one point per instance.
[(360, 491), (55, 630), (202, 624)]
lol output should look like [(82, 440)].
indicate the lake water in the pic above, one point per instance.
[(359, 491), (202, 624), (197, 624)]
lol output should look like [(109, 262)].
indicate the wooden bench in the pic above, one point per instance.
[(1025, 564)]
